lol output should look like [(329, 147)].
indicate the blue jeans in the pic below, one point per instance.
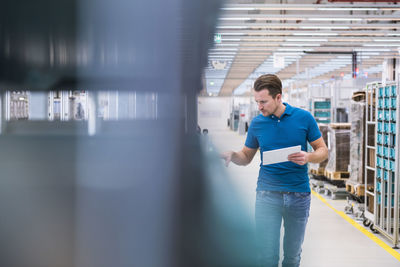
[(271, 208)]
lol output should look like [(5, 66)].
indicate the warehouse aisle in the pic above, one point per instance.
[(330, 240)]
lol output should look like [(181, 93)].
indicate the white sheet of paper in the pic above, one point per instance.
[(279, 155)]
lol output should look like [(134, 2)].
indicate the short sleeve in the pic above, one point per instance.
[(251, 139), (313, 130)]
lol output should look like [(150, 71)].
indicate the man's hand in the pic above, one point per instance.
[(227, 156), (300, 158)]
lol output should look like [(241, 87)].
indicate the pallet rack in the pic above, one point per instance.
[(382, 159), (370, 150), (386, 204)]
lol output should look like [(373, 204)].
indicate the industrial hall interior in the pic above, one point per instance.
[(199, 133)]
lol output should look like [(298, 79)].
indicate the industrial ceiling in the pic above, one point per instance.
[(300, 41)]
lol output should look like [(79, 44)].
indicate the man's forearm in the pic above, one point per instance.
[(240, 158), (318, 155)]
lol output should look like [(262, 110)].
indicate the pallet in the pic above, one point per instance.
[(359, 96), (355, 188), (318, 172), (337, 175), (340, 125), (335, 192)]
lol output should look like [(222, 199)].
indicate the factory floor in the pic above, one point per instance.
[(330, 239)]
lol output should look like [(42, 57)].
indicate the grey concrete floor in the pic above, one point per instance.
[(330, 240)]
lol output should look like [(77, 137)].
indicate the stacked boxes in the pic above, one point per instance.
[(324, 131), (357, 120), (339, 147), (320, 167)]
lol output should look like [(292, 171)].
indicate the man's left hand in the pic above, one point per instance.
[(300, 158)]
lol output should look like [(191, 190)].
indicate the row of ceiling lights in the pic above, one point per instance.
[(244, 37)]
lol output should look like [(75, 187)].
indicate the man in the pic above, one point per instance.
[(283, 191)]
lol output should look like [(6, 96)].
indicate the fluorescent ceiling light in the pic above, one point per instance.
[(381, 45), (347, 9), (314, 33), (306, 40), (371, 53), (224, 49), (232, 27), (373, 50), (334, 19), (294, 49), (238, 18), (226, 45), (221, 56), (325, 27), (238, 8), (232, 33), (289, 54), (393, 34), (387, 40), (300, 44), (222, 53), (231, 40)]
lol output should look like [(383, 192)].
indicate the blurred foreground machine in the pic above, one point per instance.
[(123, 192)]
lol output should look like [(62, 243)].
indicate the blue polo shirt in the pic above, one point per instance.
[(295, 127)]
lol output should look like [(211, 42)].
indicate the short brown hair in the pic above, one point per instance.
[(271, 82)]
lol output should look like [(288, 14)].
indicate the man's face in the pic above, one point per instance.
[(266, 104)]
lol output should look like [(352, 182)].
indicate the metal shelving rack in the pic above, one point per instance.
[(386, 204), (370, 150)]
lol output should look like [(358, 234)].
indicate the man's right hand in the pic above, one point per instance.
[(227, 156)]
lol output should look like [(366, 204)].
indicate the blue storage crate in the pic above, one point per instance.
[(386, 127), (322, 113), (322, 105), (385, 152), (392, 201), (385, 175), (385, 139), (380, 115), (380, 102), (379, 151), (387, 90), (393, 115), (379, 138), (392, 165), (379, 173), (323, 120), (379, 162), (380, 92), (380, 127), (385, 164), (393, 103), (387, 115), (386, 102), (393, 128), (393, 90), (392, 153)]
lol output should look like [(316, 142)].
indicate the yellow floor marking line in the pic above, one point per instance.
[(374, 238)]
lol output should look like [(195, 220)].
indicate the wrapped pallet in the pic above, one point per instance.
[(324, 131), (319, 168), (357, 140), (339, 147)]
